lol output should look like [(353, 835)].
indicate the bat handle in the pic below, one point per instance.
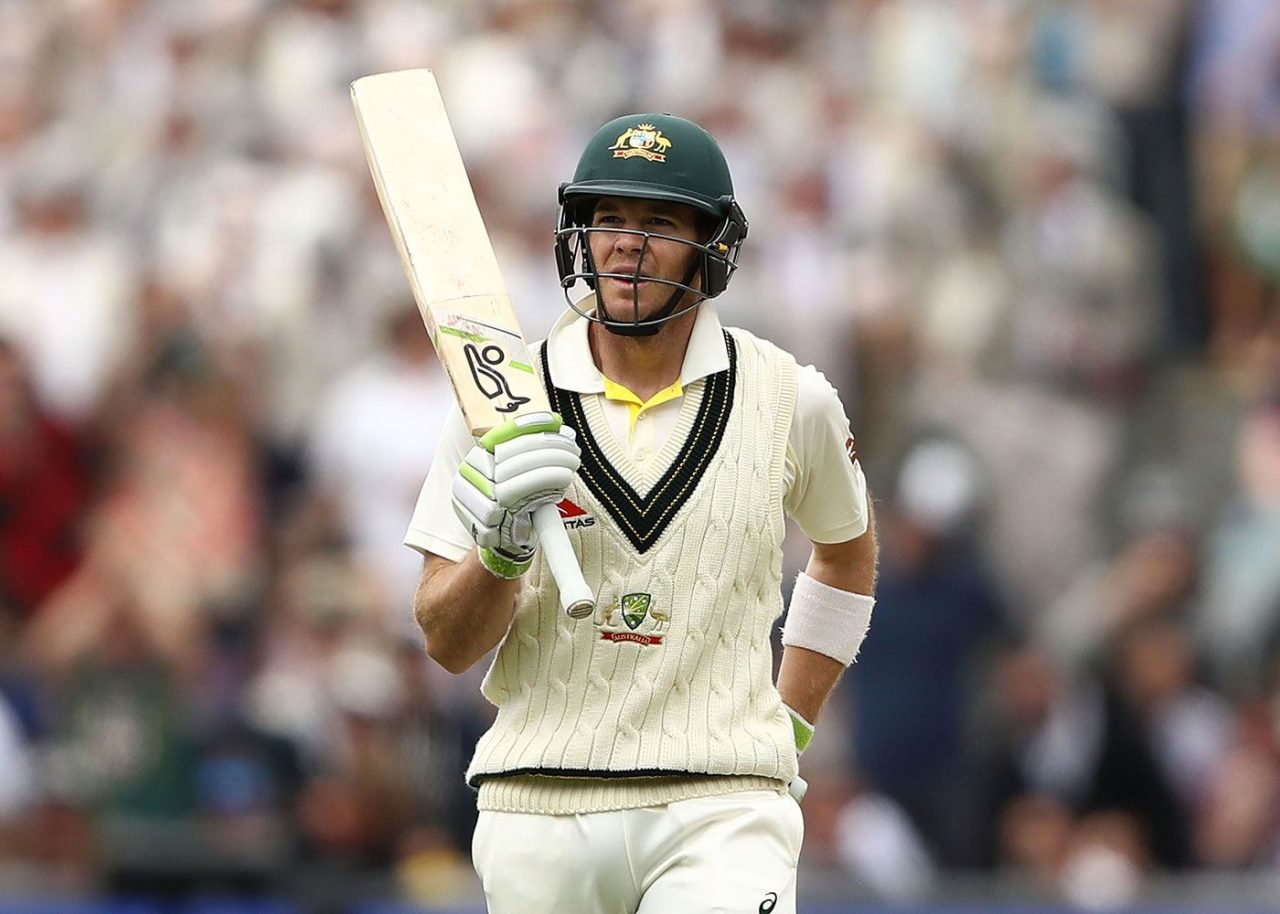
[(575, 596)]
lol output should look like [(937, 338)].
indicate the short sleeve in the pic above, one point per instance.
[(826, 492), (434, 527)]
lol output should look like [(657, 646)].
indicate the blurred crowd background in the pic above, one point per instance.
[(1034, 243)]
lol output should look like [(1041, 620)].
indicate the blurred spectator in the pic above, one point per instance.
[(317, 598), (1132, 56), (1034, 836), (1106, 861), (120, 733), (1240, 824), (1064, 736), (1189, 728), (354, 806), (65, 281), (1232, 76), (1239, 622), (1084, 260), (44, 491), (1154, 576), (372, 442), (877, 842), (18, 781), (1094, 861), (936, 609), (180, 517), (306, 53)]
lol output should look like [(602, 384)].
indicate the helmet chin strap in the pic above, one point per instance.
[(651, 326)]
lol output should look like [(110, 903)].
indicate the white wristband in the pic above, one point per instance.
[(827, 620)]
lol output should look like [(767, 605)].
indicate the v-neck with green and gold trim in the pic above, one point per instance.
[(643, 500)]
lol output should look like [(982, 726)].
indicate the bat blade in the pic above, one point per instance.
[(444, 246), (448, 259)]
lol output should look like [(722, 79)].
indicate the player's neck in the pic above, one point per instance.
[(643, 365)]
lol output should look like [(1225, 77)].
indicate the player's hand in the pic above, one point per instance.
[(512, 471)]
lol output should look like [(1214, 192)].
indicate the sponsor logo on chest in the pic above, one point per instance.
[(575, 517)]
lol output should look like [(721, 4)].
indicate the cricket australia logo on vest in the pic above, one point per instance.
[(633, 610)]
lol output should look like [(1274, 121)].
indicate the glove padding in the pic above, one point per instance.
[(512, 471)]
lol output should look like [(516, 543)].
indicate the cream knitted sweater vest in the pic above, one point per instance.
[(673, 675)]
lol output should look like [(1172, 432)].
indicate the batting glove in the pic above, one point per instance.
[(512, 471), (803, 732)]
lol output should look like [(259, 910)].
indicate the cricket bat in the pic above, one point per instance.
[(449, 261)]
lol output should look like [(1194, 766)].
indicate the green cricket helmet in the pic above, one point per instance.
[(651, 157)]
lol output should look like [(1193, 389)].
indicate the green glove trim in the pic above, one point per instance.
[(501, 566), (511, 429), (476, 478), (801, 729)]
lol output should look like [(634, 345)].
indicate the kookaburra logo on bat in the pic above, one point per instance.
[(484, 363)]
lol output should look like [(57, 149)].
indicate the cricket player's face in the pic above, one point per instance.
[(664, 255)]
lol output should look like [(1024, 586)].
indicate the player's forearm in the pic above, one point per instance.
[(463, 610), (805, 679), (806, 676)]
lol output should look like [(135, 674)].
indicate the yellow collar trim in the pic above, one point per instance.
[(635, 406)]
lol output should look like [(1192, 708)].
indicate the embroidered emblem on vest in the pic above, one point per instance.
[(635, 606), (633, 609)]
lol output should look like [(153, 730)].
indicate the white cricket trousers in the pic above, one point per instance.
[(731, 853)]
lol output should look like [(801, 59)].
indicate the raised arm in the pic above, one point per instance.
[(464, 608)]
